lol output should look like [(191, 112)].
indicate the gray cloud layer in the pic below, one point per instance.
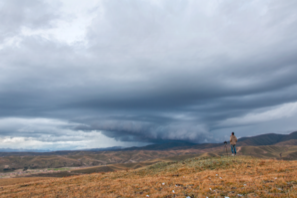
[(29, 13), (149, 71)]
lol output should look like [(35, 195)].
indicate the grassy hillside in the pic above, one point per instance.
[(14, 181), (264, 152), (98, 169), (287, 142), (263, 146), (79, 159), (87, 159), (194, 177), (270, 151)]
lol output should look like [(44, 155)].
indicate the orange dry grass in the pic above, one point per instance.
[(217, 177), (13, 181)]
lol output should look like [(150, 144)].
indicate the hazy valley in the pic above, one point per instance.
[(23, 164)]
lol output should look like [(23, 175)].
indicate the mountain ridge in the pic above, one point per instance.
[(259, 140), (266, 139)]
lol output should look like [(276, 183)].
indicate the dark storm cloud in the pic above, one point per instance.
[(153, 71)]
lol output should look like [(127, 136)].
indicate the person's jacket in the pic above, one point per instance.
[(233, 139)]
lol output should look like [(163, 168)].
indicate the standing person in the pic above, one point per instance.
[(233, 141)]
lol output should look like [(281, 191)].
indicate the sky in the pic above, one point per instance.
[(101, 73)]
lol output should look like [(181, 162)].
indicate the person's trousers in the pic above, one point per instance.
[(233, 149)]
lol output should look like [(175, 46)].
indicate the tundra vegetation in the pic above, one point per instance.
[(238, 176)]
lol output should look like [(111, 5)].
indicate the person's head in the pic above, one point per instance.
[(232, 133)]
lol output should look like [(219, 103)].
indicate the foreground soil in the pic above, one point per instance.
[(195, 177)]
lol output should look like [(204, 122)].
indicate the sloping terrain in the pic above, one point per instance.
[(89, 159), (80, 159), (287, 142), (263, 146), (98, 169), (271, 151), (265, 152), (118, 167), (195, 177), (266, 139), (13, 181)]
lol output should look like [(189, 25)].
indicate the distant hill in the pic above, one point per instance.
[(114, 148), (165, 146), (289, 152), (286, 143), (86, 158), (259, 140), (267, 139), (262, 146)]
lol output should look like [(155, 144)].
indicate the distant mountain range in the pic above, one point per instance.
[(24, 150), (8, 150), (269, 139), (259, 140), (274, 146)]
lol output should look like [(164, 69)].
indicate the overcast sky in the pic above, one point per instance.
[(88, 74)]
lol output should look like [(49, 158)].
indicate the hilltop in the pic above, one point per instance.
[(194, 177)]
